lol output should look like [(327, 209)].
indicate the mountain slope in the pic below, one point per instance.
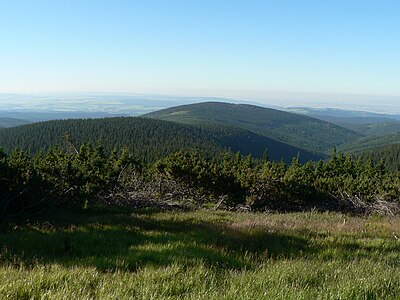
[(297, 130), (386, 148), (146, 137), (11, 122), (368, 143), (365, 123), (374, 128)]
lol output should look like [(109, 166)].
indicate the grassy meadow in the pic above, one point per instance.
[(206, 254)]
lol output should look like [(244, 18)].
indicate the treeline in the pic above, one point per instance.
[(89, 176)]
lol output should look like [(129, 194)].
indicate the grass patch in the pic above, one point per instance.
[(120, 254)]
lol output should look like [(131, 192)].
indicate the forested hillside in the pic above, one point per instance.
[(365, 123), (297, 130), (368, 143), (384, 149), (148, 138), (375, 129), (11, 122)]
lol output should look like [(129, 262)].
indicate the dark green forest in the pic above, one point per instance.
[(147, 138), (379, 148), (367, 143), (389, 154), (300, 131), (375, 129)]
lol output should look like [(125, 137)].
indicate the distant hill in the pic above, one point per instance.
[(375, 128), (11, 122), (297, 130), (368, 143), (365, 123), (148, 138), (31, 116)]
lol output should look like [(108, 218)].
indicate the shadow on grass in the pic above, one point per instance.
[(119, 241)]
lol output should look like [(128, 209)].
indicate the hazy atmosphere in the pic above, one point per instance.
[(313, 53)]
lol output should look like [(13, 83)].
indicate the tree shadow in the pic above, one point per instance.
[(119, 241)]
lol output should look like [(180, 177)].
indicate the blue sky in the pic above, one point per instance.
[(200, 47)]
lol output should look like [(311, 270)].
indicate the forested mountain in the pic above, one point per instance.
[(368, 143), (300, 131), (11, 122), (365, 123), (147, 138), (374, 129), (379, 148)]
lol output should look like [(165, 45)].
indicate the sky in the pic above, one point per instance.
[(210, 48)]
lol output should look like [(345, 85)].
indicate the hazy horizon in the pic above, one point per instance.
[(341, 54), (134, 103)]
